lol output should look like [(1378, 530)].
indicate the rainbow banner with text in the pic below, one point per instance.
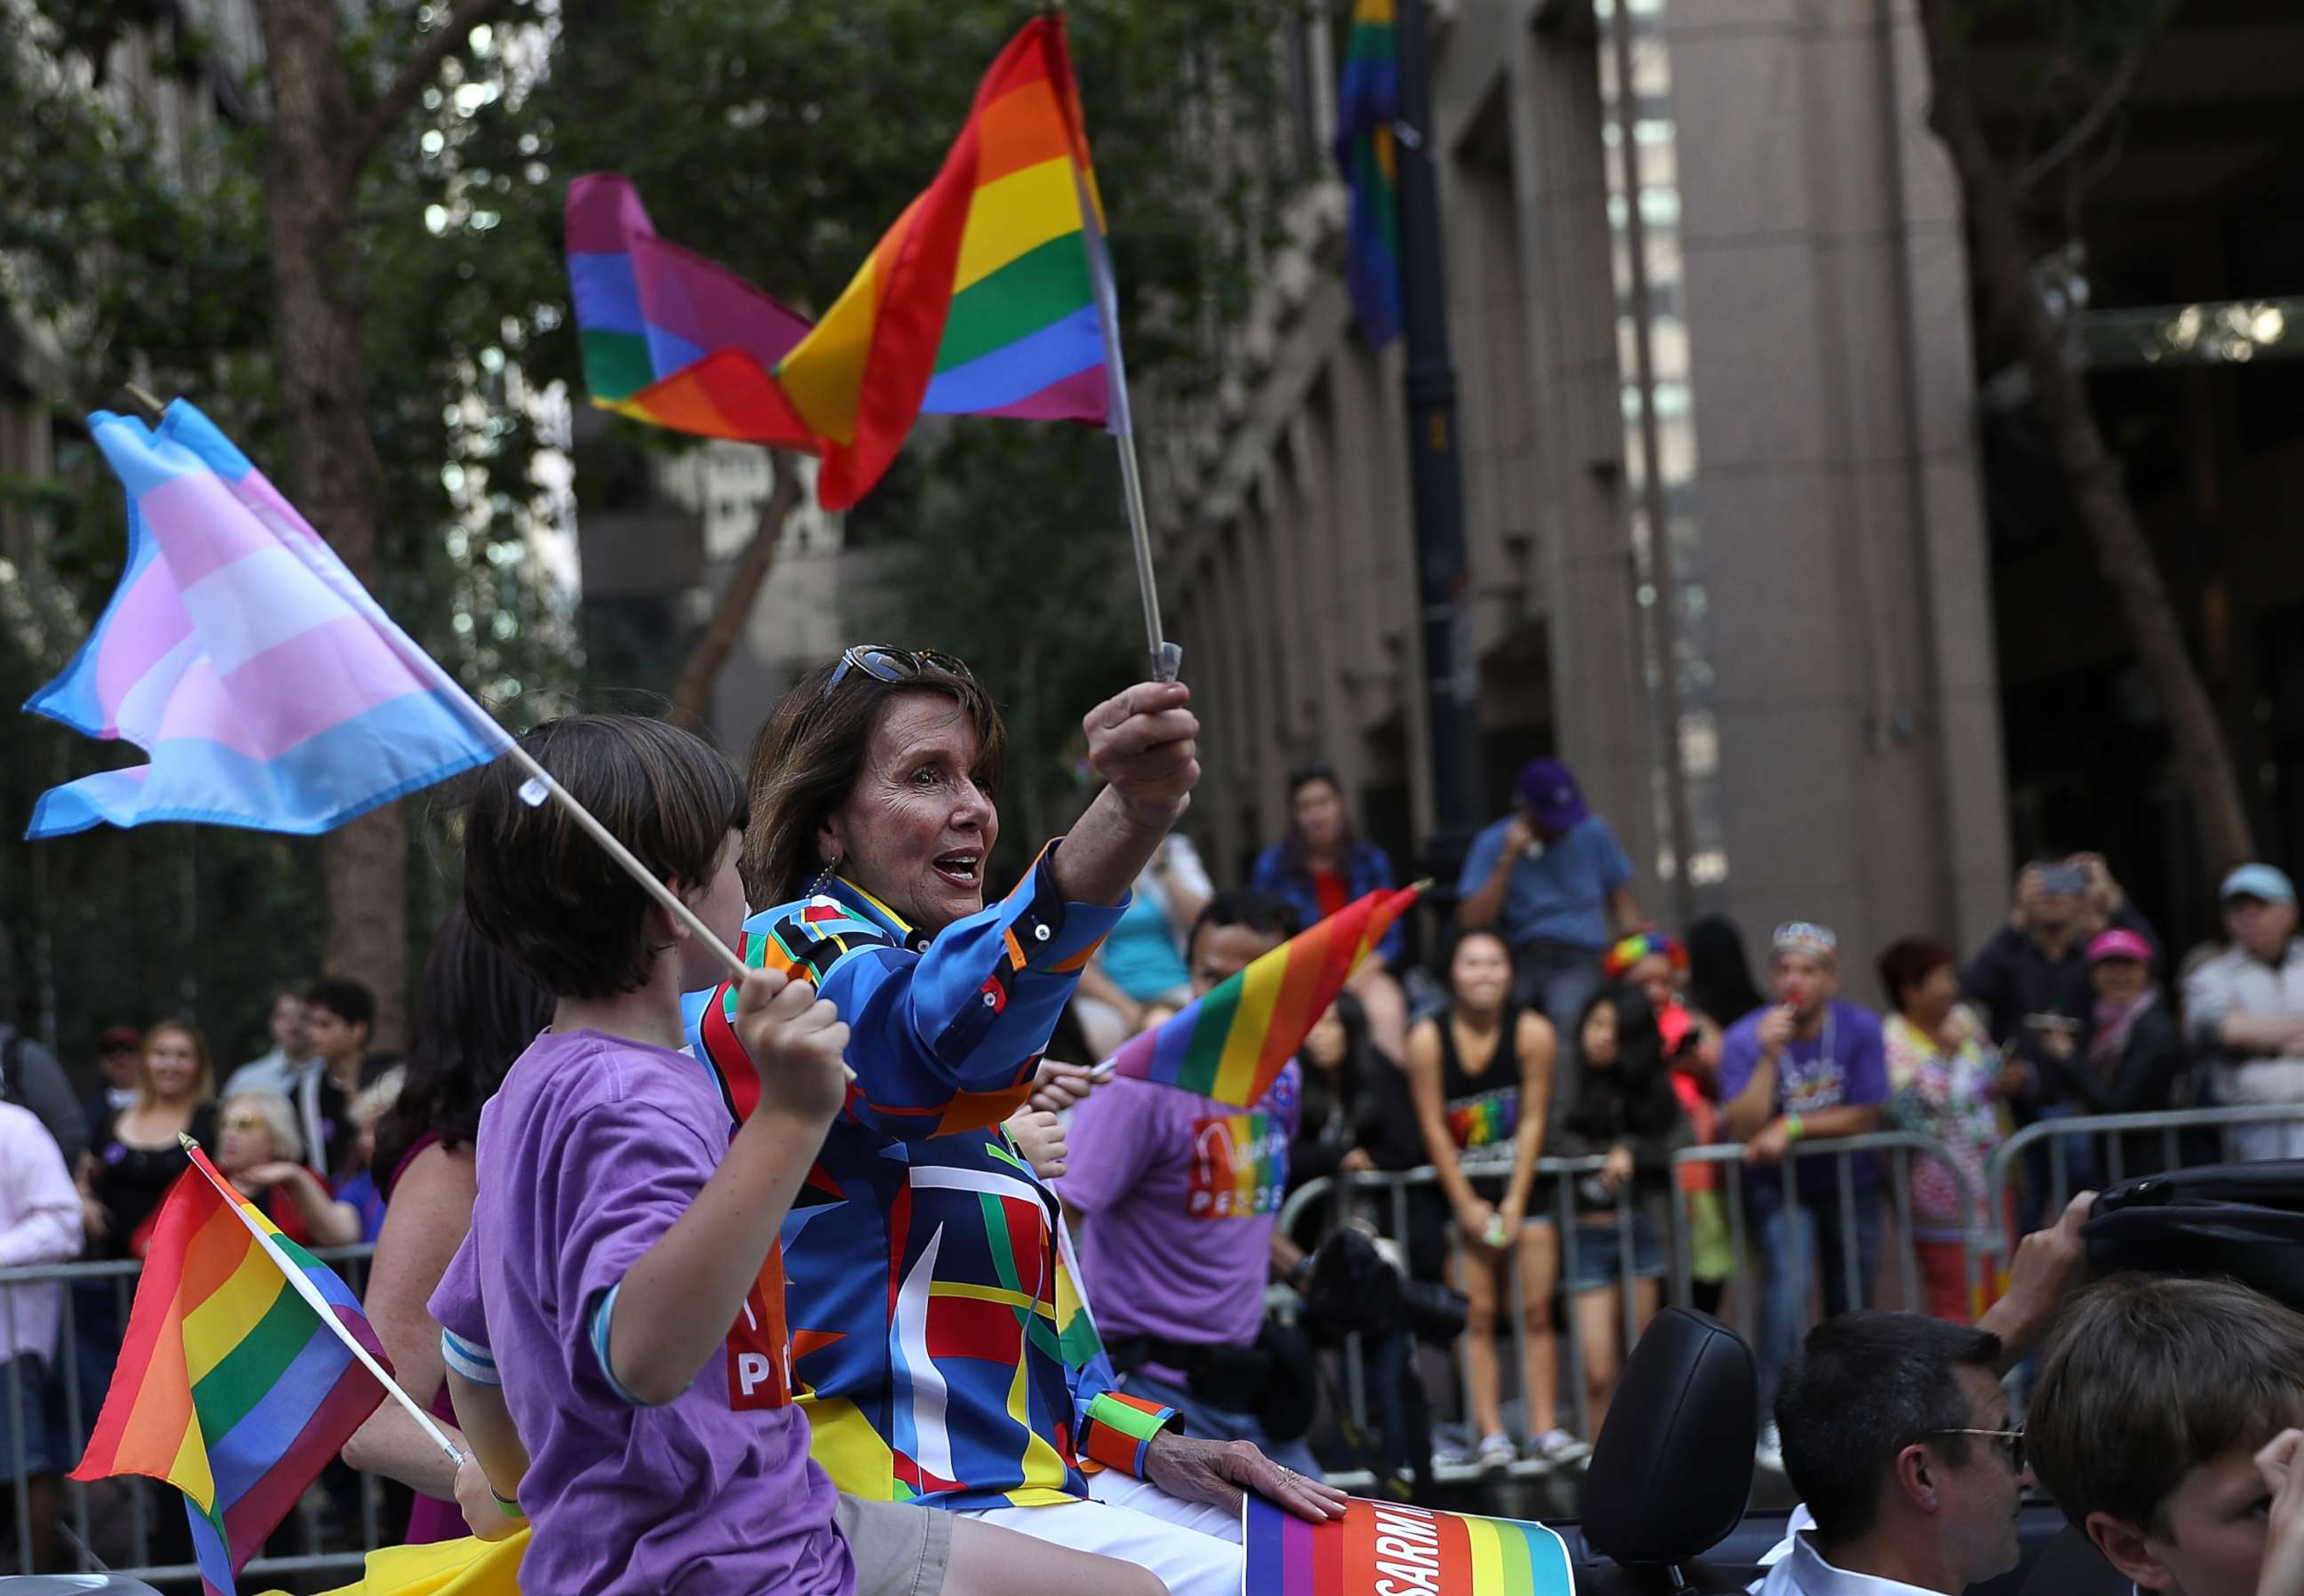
[(1388, 1549)]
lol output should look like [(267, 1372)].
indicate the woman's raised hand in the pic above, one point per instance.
[(1144, 743)]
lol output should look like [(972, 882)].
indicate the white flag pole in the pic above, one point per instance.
[(1167, 659), (319, 1304), (540, 786)]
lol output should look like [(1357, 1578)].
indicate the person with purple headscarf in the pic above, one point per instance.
[(1552, 879)]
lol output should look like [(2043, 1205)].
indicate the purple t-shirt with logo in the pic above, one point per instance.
[(593, 1147), (1844, 1065), (1181, 1192)]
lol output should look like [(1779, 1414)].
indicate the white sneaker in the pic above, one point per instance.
[(1559, 1448), (1496, 1451), (1770, 1453)]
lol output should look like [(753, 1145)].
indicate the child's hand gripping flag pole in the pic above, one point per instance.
[(269, 688), (1232, 1042), (246, 1365)]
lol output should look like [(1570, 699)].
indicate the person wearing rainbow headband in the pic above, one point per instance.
[(1657, 965)]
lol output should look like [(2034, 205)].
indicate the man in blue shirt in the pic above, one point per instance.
[(1553, 878)]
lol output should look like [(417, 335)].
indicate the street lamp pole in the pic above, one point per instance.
[(1443, 587)]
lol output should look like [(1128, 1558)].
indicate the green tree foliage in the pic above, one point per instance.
[(778, 136)]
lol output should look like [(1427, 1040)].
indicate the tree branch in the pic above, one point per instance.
[(2108, 101), (452, 37), (2000, 262), (691, 696)]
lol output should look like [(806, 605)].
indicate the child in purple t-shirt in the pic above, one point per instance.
[(613, 1324)]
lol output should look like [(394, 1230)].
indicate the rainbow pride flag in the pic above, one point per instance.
[(1380, 1548), (1232, 1042), (1366, 105), (668, 337), (230, 1387), (992, 295)]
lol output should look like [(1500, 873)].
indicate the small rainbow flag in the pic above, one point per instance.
[(230, 1385), (991, 295), (1231, 1043), (1366, 105), (1378, 1548)]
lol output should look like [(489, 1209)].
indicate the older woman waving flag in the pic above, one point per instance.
[(937, 1337)]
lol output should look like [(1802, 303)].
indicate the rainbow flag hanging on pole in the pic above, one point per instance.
[(990, 296), (1367, 106), (1232, 1042), (231, 1385)]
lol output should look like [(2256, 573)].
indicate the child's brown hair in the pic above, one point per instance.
[(2147, 1376), (537, 886)]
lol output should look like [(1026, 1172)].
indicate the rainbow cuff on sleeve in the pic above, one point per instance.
[(1120, 1427)]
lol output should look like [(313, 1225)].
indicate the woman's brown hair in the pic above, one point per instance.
[(203, 1087), (807, 756)]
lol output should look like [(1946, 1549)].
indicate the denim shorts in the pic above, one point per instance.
[(1599, 1252), (35, 1415)]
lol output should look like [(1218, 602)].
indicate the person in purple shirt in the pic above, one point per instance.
[(1180, 1195), (1809, 1066), (652, 1436)]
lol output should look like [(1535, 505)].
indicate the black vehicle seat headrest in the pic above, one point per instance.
[(1672, 1470)]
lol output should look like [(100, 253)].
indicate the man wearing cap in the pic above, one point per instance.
[(116, 1052), (2244, 1009), (1812, 1065), (1554, 879)]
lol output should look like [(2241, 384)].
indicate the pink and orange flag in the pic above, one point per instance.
[(990, 296)]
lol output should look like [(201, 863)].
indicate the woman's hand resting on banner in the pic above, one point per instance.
[(1218, 1473)]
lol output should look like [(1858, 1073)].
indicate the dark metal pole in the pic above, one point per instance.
[(1450, 669)]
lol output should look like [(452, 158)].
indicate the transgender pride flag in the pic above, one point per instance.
[(270, 690)]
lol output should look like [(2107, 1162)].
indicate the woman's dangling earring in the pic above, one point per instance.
[(823, 878)]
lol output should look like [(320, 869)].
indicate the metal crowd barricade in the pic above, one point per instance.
[(2116, 1131), (79, 1535), (1339, 1192), (1902, 1148)]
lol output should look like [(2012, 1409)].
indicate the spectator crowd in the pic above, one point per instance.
[(1555, 1021)]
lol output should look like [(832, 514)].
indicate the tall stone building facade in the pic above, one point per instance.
[(1725, 526)]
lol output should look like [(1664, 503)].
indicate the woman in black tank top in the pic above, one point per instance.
[(1481, 1075)]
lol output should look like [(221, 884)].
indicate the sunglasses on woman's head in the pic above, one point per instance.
[(244, 1122), (883, 663)]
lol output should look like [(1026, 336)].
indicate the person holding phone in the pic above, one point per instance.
[(2031, 979), (2030, 982)]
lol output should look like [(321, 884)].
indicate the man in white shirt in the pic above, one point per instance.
[(2245, 1008), (1902, 1444), (295, 1070), (39, 1224), (291, 1053)]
